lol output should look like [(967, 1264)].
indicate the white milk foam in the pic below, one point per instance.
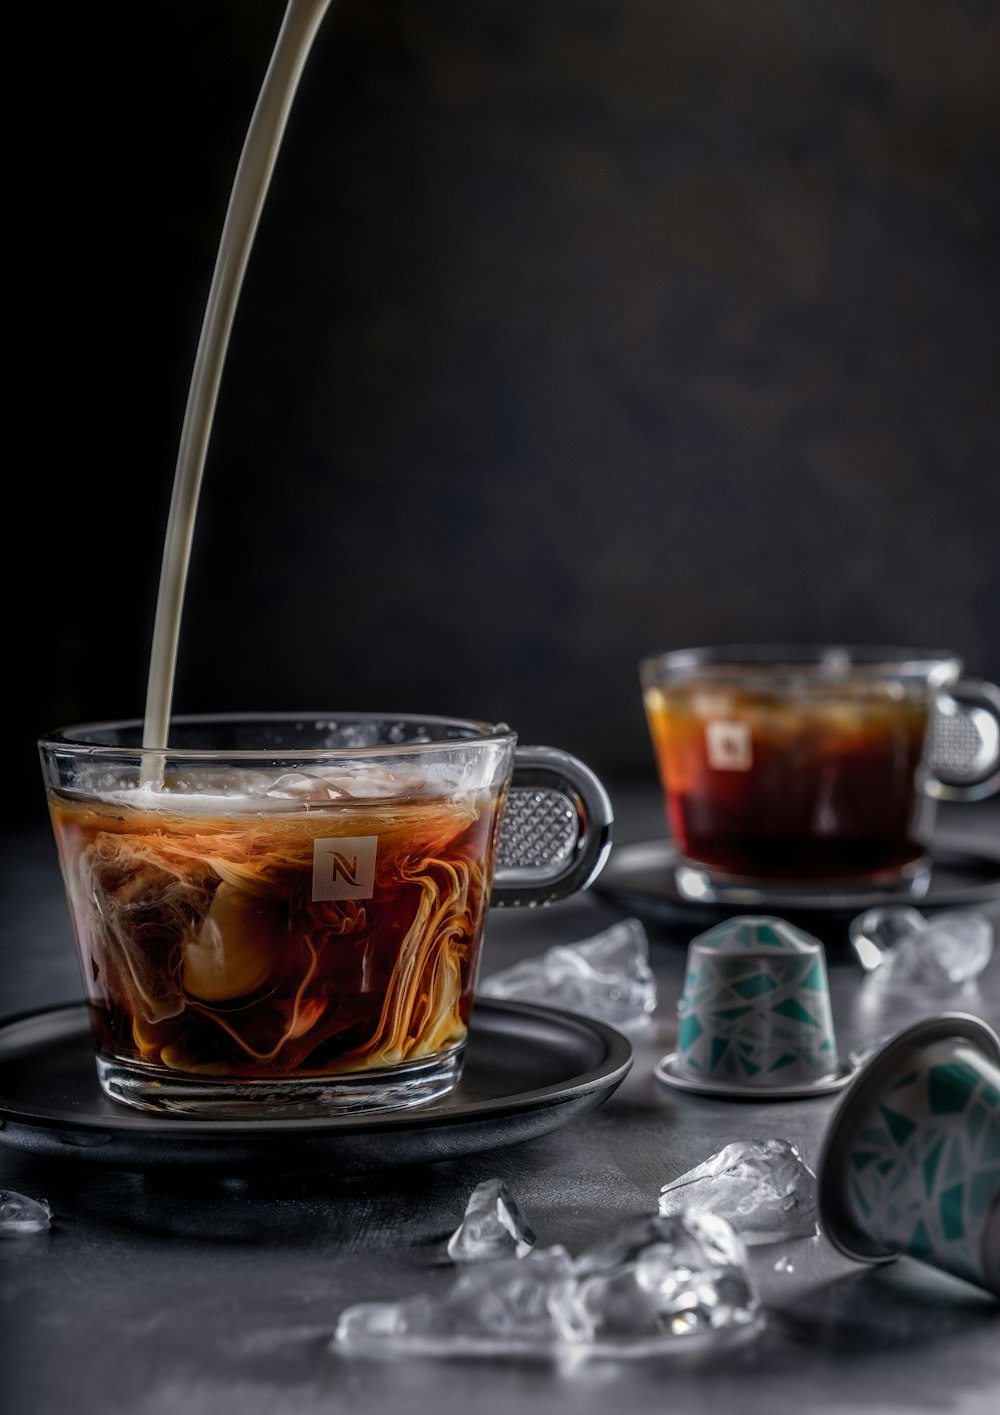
[(222, 793)]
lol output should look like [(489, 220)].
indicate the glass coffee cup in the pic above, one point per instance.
[(283, 915), (812, 768)]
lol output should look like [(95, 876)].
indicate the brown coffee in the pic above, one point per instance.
[(823, 787), (304, 940)]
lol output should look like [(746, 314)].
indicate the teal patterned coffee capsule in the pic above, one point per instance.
[(910, 1163), (755, 1015)]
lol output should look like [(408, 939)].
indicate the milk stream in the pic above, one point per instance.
[(299, 26)]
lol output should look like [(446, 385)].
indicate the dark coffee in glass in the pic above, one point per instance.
[(806, 767)]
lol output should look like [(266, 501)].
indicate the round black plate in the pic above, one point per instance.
[(528, 1070), (639, 877)]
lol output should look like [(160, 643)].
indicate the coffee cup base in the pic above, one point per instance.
[(319, 1097), (702, 885)]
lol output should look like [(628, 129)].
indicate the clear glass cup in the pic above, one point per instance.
[(804, 768), (283, 914)]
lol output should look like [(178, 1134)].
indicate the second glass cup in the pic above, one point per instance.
[(806, 768), (283, 914)]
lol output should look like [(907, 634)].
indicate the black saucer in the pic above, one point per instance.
[(640, 878), (528, 1070)]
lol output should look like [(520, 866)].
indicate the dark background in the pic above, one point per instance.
[(573, 329)]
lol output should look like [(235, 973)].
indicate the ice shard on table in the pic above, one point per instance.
[(762, 1187), (654, 1286), (493, 1226), (666, 1277), (607, 977), (902, 945), (20, 1214), (513, 1304)]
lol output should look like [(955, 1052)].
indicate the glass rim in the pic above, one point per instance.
[(821, 659), (79, 737)]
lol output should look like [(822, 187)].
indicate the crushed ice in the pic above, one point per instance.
[(513, 1304), (20, 1214), (666, 1277), (763, 1188), (607, 977), (901, 945), (656, 1284), (492, 1227)]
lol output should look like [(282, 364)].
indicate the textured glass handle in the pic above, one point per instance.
[(964, 757), (556, 829)]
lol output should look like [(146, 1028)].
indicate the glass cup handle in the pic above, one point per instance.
[(555, 834), (964, 756)]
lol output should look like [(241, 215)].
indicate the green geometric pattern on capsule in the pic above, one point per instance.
[(983, 1189), (728, 1014), (950, 1087), (900, 1126), (754, 986), (815, 979), (755, 1019), (917, 1178), (791, 1007), (956, 1164), (920, 1242), (931, 1162), (766, 933), (861, 1159), (989, 1149), (952, 1223), (753, 931), (861, 1201), (974, 1122), (690, 1030), (783, 1034)]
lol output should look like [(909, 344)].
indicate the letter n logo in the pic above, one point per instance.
[(344, 867), (728, 746)]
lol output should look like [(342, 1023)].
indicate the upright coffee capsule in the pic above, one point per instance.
[(755, 1015), (910, 1163)]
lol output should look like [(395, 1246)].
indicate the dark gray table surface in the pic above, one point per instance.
[(212, 1294)]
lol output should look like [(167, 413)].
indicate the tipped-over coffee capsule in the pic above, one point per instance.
[(910, 1163), (755, 1015)]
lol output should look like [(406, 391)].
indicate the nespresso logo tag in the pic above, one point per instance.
[(727, 746), (344, 867)]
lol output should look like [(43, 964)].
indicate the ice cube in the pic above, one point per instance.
[(513, 1304), (493, 1227), (666, 1277), (20, 1214), (876, 933), (656, 1285), (607, 977), (904, 946), (763, 1188), (305, 786)]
